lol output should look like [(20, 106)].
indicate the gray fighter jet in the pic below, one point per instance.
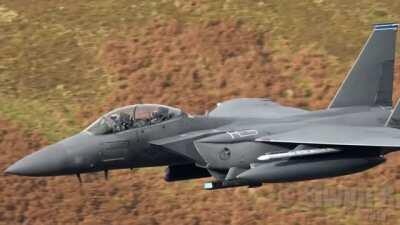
[(247, 141)]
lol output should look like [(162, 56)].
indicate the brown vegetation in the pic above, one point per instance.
[(193, 67), (196, 66)]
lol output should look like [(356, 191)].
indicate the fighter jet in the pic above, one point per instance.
[(246, 141)]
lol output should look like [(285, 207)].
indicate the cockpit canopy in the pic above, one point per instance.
[(133, 116)]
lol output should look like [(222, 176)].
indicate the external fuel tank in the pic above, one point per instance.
[(307, 168)]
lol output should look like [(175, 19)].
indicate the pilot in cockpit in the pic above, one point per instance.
[(121, 121), (131, 117), (159, 115)]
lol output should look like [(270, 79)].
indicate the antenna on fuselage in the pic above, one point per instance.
[(78, 175), (106, 174)]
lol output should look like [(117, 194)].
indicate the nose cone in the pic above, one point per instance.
[(49, 161)]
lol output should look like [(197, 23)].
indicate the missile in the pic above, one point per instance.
[(298, 153)]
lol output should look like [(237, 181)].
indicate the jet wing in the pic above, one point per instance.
[(183, 144), (338, 136)]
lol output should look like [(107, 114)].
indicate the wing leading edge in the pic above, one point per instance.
[(384, 137)]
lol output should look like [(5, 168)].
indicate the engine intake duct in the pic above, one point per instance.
[(184, 172)]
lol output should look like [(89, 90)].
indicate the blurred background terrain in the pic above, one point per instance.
[(64, 63)]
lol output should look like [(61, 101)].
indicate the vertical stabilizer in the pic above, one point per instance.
[(370, 80)]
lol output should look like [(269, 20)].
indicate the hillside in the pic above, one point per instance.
[(64, 63)]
